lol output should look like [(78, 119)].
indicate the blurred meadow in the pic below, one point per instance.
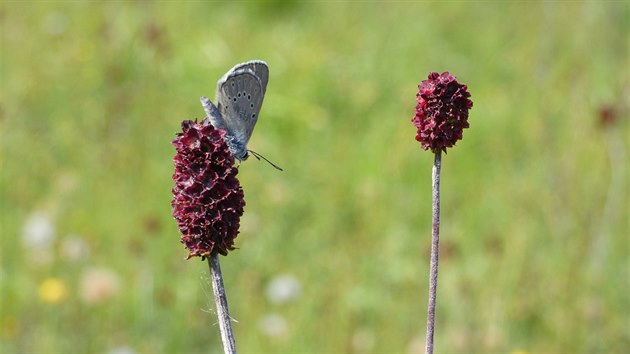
[(333, 253)]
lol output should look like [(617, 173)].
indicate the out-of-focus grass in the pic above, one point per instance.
[(534, 251)]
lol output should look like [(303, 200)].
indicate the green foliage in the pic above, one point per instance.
[(534, 253)]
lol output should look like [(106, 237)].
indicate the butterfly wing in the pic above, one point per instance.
[(260, 69), (240, 95)]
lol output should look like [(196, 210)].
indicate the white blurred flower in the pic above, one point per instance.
[(283, 288), (121, 350), (38, 231), (98, 285), (74, 248), (273, 325), (363, 341)]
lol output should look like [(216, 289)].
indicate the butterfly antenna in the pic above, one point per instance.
[(259, 156)]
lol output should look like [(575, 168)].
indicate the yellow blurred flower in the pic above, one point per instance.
[(519, 351), (52, 290)]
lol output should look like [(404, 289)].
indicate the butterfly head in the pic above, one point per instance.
[(238, 150)]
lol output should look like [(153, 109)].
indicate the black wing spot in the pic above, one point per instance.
[(232, 83), (234, 99), (251, 105), (249, 97), (239, 94), (253, 115)]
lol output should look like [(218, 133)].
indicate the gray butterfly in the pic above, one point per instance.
[(240, 94)]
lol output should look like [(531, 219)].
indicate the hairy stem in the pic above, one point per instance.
[(220, 299), (435, 245)]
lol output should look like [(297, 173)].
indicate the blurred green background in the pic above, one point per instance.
[(334, 252)]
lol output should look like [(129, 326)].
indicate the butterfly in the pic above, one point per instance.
[(240, 94)]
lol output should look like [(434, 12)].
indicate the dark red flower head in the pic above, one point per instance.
[(207, 197), (442, 111)]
